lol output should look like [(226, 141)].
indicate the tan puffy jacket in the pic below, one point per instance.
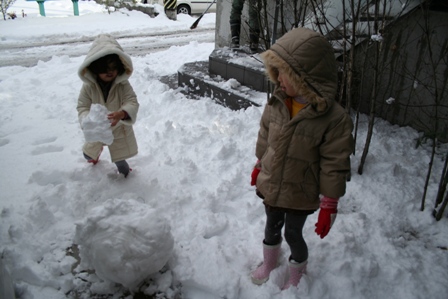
[(309, 154), (121, 97)]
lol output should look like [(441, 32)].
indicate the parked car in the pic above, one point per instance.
[(194, 6)]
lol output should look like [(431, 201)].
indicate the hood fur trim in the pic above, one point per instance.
[(273, 63)]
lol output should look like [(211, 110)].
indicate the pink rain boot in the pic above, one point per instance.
[(91, 160), (296, 271), (270, 255)]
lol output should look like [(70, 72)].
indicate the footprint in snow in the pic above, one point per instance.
[(47, 149), (43, 146), (45, 140), (4, 142)]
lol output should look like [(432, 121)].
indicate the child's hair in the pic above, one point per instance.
[(107, 63)]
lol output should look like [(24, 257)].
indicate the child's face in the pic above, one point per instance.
[(108, 76), (285, 84)]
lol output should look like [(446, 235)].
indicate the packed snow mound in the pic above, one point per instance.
[(124, 241), (96, 126)]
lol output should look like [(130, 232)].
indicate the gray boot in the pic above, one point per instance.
[(235, 32), (123, 167), (254, 39)]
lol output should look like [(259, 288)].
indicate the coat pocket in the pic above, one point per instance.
[(310, 184)]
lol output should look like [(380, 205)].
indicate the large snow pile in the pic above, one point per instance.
[(124, 241), (193, 167)]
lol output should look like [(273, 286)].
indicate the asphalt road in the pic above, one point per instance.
[(140, 44)]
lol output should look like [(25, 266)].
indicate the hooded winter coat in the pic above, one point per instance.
[(309, 155), (121, 97)]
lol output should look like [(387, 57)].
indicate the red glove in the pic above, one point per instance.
[(255, 172), (327, 215)]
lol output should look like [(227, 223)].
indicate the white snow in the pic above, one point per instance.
[(107, 236), (187, 207), (96, 126), (377, 37)]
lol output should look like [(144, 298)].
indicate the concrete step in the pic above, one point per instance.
[(248, 69), (229, 77)]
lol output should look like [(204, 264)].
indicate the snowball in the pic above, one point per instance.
[(124, 241), (96, 126), (231, 84)]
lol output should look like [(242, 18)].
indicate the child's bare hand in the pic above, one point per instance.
[(115, 117)]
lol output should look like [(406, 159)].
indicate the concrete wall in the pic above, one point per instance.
[(222, 29), (222, 35)]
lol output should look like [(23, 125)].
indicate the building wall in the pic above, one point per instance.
[(412, 74), (409, 86)]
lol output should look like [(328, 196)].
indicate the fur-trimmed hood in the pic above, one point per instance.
[(307, 56), (105, 44)]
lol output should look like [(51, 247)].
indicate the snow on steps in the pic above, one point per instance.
[(229, 77)]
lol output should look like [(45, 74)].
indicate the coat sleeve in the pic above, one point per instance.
[(335, 153), (262, 141), (84, 103), (129, 104)]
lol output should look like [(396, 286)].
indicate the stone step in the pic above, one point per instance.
[(248, 69), (229, 78)]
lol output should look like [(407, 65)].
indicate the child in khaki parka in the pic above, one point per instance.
[(303, 148)]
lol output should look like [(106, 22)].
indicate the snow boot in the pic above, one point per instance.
[(254, 38), (123, 167), (235, 44), (296, 270), (235, 32), (253, 48), (91, 160), (270, 256)]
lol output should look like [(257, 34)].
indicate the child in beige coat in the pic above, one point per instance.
[(105, 73)]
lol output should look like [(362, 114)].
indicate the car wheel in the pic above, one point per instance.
[(183, 9)]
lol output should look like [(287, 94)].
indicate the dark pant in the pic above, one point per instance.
[(123, 166), (275, 220), (235, 19)]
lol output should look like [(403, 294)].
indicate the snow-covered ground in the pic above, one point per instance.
[(188, 199)]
